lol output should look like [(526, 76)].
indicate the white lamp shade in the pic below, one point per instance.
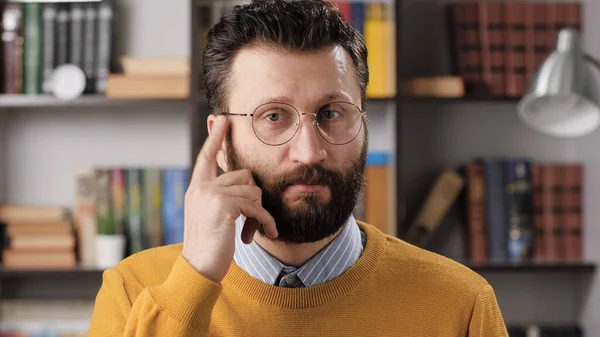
[(562, 99)]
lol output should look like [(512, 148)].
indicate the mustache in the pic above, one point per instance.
[(306, 174)]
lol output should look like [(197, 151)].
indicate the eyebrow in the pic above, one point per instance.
[(323, 100)]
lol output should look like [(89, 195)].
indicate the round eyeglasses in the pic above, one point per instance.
[(276, 123)]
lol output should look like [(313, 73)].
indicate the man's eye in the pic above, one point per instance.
[(330, 114), (273, 117)]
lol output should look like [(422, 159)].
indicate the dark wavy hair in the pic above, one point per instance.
[(294, 25)]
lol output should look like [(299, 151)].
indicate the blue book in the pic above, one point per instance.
[(175, 182), (495, 211), (518, 208), (357, 16)]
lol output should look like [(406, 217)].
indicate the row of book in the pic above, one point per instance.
[(39, 37), (373, 19), (497, 46), (521, 210), (146, 205)]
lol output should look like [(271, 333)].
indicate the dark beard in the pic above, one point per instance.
[(314, 220)]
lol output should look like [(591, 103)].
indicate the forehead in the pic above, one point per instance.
[(261, 74)]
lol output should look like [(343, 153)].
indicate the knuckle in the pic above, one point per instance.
[(219, 201), (247, 174)]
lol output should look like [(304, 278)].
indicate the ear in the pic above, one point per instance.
[(221, 153)]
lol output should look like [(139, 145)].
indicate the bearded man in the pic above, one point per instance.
[(270, 246)]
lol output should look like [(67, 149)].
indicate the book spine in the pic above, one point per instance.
[(134, 210), (476, 213), (32, 48), (514, 18), (118, 185), (76, 34), (551, 211), (375, 198), (555, 18), (345, 8), (496, 220), (572, 243), (538, 223), (376, 38), (152, 207), (473, 43), (518, 205), (12, 44), (90, 44), (357, 16), (540, 31), (62, 34), (174, 184), (530, 65), (85, 216), (104, 203), (49, 41), (573, 15), (105, 43)]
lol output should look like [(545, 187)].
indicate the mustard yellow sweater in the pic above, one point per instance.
[(394, 289)]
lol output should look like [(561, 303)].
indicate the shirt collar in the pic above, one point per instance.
[(327, 264)]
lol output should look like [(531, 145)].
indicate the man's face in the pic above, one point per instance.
[(309, 185)]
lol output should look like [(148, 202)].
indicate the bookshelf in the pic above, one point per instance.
[(439, 133), (431, 134)]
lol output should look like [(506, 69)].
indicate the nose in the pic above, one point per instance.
[(307, 145)]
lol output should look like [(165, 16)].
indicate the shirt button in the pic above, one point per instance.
[(290, 280)]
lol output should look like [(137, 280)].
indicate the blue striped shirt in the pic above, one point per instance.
[(329, 263)]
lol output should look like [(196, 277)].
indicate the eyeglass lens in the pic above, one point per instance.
[(277, 123)]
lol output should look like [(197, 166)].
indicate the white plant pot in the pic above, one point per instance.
[(110, 250)]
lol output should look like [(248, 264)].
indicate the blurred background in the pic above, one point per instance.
[(483, 146)]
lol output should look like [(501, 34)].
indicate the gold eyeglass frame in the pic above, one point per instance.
[(362, 115)]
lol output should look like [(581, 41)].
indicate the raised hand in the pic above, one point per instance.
[(213, 203)]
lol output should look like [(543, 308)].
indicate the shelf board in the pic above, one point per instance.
[(532, 266), (32, 101), (463, 99), (381, 99), (78, 283), (9, 272), (50, 1)]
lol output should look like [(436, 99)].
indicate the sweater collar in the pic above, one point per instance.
[(329, 263), (242, 284)]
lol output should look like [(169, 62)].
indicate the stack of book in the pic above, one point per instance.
[(151, 78), (37, 237), (499, 45)]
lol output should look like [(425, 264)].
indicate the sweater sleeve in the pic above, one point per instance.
[(180, 306), (486, 319)]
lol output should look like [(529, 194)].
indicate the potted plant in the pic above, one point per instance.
[(110, 209)]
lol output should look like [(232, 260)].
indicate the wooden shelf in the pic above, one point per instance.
[(34, 101), (79, 283), (586, 267), (381, 99), (5, 272), (465, 99), (49, 1)]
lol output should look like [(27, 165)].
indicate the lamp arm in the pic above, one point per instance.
[(592, 60)]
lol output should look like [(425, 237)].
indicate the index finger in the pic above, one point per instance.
[(206, 162)]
